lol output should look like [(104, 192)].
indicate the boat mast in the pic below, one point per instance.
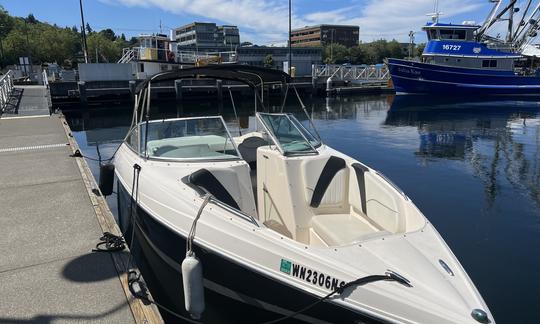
[(491, 17), (522, 22), (509, 35), (529, 29)]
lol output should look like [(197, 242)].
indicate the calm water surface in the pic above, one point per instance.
[(473, 168)]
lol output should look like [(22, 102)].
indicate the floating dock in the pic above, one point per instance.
[(52, 217)]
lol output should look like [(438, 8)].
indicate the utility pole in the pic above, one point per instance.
[(83, 34), (332, 45), (411, 44), (28, 47), (290, 43)]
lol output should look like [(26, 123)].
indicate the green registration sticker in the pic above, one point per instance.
[(285, 266)]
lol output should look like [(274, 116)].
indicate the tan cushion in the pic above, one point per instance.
[(340, 229)]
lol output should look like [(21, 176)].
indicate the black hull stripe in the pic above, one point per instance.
[(229, 292)]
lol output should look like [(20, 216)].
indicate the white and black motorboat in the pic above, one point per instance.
[(279, 221)]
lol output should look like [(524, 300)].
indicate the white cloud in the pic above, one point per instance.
[(267, 21)]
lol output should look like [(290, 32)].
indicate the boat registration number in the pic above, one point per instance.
[(448, 47), (314, 277)]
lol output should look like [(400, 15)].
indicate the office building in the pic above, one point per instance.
[(302, 57), (207, 35), (322, 35)]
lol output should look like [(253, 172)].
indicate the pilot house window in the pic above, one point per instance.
[(489, 63)]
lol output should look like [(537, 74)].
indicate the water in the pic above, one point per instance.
[(473, 168)]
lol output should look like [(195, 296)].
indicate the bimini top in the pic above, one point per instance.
[(250, 75)]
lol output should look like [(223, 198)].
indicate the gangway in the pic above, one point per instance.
[(364, 73)]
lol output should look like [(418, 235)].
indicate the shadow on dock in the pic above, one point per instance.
[(12, 106)]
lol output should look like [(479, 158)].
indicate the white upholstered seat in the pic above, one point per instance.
[(341, 229)]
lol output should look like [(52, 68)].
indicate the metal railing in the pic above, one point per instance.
[(45, 78), (6, 87), (351, 72), (165, 55)]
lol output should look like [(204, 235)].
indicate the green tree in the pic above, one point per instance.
[(31, 19), (268, 61), (89, 29), (336, 54), (109, 34), (420, 49)]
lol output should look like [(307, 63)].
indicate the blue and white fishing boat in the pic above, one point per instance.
[(463, 60)]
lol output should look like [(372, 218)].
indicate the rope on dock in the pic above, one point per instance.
[(30, 148)]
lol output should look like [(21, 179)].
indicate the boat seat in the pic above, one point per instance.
[(341, 229), (248, 149)]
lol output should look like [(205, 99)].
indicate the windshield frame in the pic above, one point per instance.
[(143, 142), (296, 125)]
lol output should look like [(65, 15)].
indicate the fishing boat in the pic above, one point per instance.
[(462, 59), (275, 226)]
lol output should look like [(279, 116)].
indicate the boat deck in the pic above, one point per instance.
[(50, 221)]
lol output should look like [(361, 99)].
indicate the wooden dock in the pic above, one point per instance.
[(51, 218)]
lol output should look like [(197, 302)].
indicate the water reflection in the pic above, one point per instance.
[(500, 140)]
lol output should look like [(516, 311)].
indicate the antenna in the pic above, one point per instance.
[(160, 30), (436, 13)]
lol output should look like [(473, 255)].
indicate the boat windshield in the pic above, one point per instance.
[(289, 134), (202, 138)]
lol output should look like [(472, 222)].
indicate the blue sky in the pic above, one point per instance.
[(262, 22)]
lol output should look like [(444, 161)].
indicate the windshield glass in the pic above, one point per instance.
[(190, 138), (289, 133)]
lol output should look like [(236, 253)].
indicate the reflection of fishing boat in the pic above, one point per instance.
[(281, 221), (464, 60)]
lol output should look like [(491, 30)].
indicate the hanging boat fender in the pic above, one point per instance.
[(106, 178), (192, 278)]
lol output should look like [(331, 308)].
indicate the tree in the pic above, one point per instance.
[(336, 54), (75, 29), (268, 61), (123, 37), (420, 49), (89, 29), (109, 34), (245, 44), (31, 19)]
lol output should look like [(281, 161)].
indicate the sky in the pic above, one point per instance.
[(260, 22)]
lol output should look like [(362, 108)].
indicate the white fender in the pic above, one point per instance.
[(192, 278)]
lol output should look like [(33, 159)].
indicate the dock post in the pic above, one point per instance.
[(178, 89), (82, 93), (132, 86), (219, 88), (179, 97)]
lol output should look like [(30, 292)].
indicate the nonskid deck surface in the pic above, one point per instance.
[(48, 227)]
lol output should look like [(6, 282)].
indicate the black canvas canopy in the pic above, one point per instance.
[(250, 75)]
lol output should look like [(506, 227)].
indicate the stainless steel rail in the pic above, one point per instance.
[(6, 87)]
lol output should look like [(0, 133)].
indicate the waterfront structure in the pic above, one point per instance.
[(303, 58), (207, 35), (321, 35), (463, 60)]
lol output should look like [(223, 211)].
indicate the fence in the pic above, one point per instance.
[(377, 72), (6, 87)]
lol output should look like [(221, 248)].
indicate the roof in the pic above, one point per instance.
[(456, 26), (325, 25), (250, 75)]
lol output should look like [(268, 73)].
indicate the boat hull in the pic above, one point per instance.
[(411, 77), (233, 293)]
